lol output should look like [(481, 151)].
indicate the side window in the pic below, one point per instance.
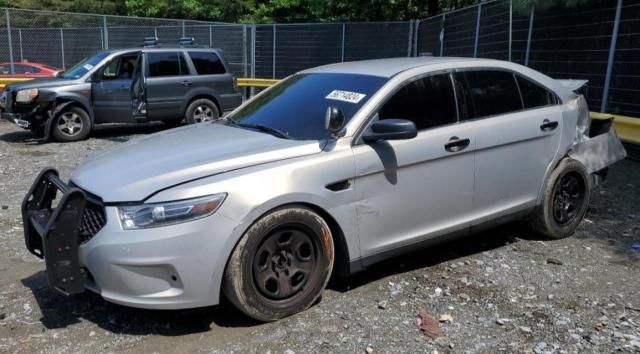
[(21, 69), (34, 69), (111, 70), (534, 95), (167, 64), (487, 93), (428, 102), (207, 63)]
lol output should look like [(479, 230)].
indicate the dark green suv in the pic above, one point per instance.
[(153, 83)]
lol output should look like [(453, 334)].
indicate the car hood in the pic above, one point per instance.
[(40, 83), (135, 170)]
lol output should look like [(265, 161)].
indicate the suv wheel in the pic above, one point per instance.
[(200, 111), (72, 124), (281, 265), (564, 202)]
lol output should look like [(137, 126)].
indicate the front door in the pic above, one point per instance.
[(413, 190), (111, 90)]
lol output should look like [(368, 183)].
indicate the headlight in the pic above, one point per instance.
[(144, 216), (26, 96)]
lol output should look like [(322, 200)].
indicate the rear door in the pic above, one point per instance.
[(517, 138), (168, 81)]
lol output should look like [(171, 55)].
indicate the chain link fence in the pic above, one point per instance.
[(598, 41)]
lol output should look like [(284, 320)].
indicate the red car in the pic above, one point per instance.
[(25, 69)]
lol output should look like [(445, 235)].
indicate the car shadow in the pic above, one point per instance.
[(111, 132), (60, 311), (123, 132), (433, 255)]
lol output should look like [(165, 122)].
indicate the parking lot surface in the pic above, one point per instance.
[(503, 290)]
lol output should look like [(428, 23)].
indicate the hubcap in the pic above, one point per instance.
[(70, 124), (284, 264), (568, 198), (202, 114)]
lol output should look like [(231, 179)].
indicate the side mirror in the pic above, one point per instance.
[(334, 120), (391, 129), (96, 76)]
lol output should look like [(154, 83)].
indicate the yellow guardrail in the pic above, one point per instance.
[(628, 128), (250, 82), (9, 80)]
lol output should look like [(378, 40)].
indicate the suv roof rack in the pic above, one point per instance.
[(183, 42)]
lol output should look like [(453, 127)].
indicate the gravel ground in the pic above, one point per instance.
[(500, 291)]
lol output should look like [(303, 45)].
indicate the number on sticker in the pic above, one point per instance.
[(345, 96)]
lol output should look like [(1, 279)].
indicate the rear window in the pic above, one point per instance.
[(487, 93), (534, 95), (166, 64), (207, 63)]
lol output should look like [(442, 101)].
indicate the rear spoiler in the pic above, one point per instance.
[(573, 85)]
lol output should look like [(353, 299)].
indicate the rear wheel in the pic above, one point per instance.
[(564, 202), (200, 111), (281, 265), (72, 124)]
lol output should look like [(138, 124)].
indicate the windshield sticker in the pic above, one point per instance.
[(346, 96), (88, 66)]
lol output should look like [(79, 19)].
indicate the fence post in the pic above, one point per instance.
[(245, 60), (612, 53), (415, 38), (475, 45), (183, 30), (20, 40), (106, 32), (155, 32), (253, 56), (62, 48), (526, 55), (344, 31), (510, 26), (410, 39), (273, 69), (444, 17), (10, 44), (210, 36)]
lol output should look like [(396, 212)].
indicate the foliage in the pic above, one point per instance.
[(269, 11)]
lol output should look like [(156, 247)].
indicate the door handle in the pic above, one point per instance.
[(186, 83), (548, 125), (456, 144)]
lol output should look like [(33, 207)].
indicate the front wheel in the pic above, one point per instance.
[(72, 124), (281, 265), (565, 200)]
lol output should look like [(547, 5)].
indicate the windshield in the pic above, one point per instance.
[(297, 105), (83, 67)]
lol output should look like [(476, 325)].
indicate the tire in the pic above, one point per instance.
[(71, 124), (565, 201), (200, 111), (281, 264)]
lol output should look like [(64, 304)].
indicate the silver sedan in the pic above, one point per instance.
[(329, 171)]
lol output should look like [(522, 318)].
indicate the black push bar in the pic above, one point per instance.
[(52, 232)]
